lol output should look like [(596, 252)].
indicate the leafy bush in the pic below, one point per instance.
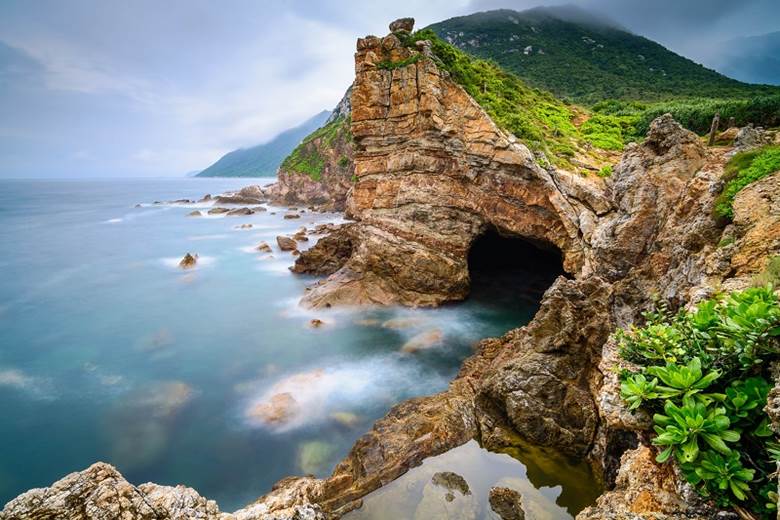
[(609, 132), (742, 170), (696, 114), (711, 421)]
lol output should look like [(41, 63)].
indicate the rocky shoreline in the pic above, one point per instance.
[(433, 174)]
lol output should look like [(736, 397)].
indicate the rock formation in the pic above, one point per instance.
[(319, 172), (434, 173), (101, 493), (188, 261)]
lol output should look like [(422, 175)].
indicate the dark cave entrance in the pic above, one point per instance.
[(511, 273)]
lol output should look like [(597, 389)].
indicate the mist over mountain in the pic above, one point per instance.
[(585, 57), (264, 159)]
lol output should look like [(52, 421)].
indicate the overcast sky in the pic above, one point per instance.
[(160, 88)]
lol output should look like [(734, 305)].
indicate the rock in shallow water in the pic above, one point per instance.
[(506, 503), (422, 341), (286, 243), (189, 261)]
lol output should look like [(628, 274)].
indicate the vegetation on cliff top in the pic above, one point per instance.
[(589, 60), (309, 158), (578, 56), (742, 170), (704, 376), (539, 119)]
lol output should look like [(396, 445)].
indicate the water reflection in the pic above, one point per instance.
[(456, 485)]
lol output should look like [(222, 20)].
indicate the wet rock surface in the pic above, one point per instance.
[(507, 503)]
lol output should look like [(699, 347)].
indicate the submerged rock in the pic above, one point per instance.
[(445, 502), (451, 481), (314, 456), (218, 211), (424, 340), (189, 261), (279, 409), (316, 323), (402, 323), (195, 213), (506, 503), (291, 215), (346, 419)]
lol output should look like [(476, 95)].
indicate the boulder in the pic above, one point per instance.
[(189, 261), (218, 211), (286, 243), (506, 503), (240, 212), (246, 195), (291, 215), (402, 24), (329, 254), (263, 247)]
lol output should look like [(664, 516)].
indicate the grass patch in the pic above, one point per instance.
[(742, 170), (307, 158), (392, 65), (606, 171)]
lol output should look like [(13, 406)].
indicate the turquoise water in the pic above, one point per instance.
[(109, 352)]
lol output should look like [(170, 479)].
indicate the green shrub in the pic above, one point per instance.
[(608, 131), (696, 114), (606, 171), (742, 170), (711, 421)]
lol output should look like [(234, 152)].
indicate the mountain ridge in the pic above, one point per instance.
[(264, 159), (586, 61)]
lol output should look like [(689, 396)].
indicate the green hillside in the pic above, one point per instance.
[(579, 57), (263, 160)]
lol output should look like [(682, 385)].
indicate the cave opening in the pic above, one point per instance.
[(512, 273)]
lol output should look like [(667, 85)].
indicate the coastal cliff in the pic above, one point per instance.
[(433, 174), (320, 171)]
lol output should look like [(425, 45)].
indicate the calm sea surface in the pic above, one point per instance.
[(109, 352)]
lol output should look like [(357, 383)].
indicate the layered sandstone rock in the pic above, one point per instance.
[(434, 173)]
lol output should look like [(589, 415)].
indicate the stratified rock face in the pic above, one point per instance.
[(328, 255), (433, 173)]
